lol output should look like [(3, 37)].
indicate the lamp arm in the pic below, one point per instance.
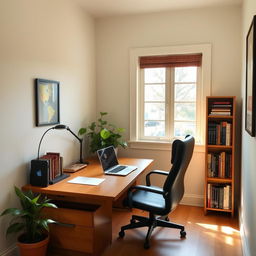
[(81, 146), (41, 141), (74, 135)]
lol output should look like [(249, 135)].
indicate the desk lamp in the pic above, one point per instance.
[(39, 175), (61, 127)]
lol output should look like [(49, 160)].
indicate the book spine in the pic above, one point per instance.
[(209, 195)]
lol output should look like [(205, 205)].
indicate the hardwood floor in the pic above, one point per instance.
[(211, 235), (215, 234)]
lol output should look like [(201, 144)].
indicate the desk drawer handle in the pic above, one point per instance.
[(65, 224)]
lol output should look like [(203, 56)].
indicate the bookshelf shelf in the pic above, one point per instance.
[(219, 180), (219, 157), (219, 147), (221, 117), (219, 210)]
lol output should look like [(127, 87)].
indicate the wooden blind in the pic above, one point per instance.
[(181, 60)]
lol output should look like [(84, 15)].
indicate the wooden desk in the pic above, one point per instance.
[(87, 210)]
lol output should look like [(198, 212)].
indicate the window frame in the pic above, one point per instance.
[(135, 90)]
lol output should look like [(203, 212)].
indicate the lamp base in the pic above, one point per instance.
[(59, 178)]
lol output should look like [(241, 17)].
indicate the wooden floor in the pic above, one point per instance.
[(210, 235)]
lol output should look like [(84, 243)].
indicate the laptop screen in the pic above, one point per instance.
[(107, 157)]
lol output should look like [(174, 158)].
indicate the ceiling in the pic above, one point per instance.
[(104, 8)]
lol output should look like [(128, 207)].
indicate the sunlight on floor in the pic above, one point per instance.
[(228, 233)]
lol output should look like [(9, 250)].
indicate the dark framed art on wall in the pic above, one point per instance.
[(250, 100), (47, 100)]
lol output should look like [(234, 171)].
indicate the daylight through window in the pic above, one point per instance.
[(169, 92)]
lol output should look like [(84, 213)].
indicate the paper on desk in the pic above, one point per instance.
[(86, 180)]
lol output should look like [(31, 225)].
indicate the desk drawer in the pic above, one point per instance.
[(70, 216), (75, 238), (75, 227)]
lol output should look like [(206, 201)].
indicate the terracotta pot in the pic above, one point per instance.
[(34, 249)]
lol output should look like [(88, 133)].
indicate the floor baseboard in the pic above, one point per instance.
[(193, 200), (11, 251)]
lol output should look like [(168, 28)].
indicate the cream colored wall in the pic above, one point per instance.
[(115, 36), (46, 39), (248, 173)]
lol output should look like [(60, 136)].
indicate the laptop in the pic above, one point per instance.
[(109, 162)]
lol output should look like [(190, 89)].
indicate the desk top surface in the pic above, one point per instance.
[(111, 188)]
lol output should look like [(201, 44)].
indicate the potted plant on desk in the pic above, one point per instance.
[(103, 134), (34, 238)]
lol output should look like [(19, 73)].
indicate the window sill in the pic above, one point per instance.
[(159, 145)]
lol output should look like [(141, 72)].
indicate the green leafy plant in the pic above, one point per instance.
[(29, 219), (103, 134)]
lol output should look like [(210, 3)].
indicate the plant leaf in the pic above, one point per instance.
[(44, 224), (13, 212), (120, 130), (34, 200), (15, 228), (50, 205), (103, 113), (104, 133), (82, 131)]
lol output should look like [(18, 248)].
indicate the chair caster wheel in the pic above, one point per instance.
[(146, 245), (183, 234), (121, 234)]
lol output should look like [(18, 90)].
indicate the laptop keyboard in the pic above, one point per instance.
[(117, 169)]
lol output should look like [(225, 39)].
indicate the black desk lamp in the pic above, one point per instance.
[(61, 127), (39, 175)]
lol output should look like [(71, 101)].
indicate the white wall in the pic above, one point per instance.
[(115, 36), (248, 173), (46, 39)]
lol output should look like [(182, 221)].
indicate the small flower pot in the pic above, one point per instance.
[(33, 249)]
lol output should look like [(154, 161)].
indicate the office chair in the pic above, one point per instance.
[(159, 202)]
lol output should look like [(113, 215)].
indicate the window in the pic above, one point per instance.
[(168, 102), (168, 97)]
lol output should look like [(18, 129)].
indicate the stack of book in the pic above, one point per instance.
[(55, 164), (219, 196), (220, 108), (219, 165), (219, 133)]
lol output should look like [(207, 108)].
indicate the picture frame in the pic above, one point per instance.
[(250, 94), (47, 98)]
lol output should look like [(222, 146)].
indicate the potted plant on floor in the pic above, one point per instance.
[(30, 222), (103, 134)]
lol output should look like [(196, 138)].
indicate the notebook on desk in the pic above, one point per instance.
[(109, 162)]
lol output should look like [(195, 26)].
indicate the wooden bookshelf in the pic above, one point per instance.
[(219, 156)]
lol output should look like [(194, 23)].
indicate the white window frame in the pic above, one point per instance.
[(205, 90)]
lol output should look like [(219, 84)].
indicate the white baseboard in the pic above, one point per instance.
[(245, 247), (11, 251), (193, 200)]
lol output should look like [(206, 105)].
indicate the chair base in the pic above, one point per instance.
[(151, 222)]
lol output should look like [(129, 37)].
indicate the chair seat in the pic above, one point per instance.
[(149, 201)]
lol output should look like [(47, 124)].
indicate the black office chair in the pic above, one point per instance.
[(161, 201)]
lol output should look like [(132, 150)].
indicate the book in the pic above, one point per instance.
[(74, 167), (228, 134), (226, 198), (56, 163), (51, 168)]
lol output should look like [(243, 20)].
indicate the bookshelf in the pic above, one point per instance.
[(219, 156)]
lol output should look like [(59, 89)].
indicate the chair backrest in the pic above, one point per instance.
[(182, 151)]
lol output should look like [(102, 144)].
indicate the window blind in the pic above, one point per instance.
[(181, 60)]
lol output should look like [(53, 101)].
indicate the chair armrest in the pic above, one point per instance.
[(154, 172), (149, 189)]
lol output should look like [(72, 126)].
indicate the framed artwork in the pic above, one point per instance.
[(47, 102), (250, 104)]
